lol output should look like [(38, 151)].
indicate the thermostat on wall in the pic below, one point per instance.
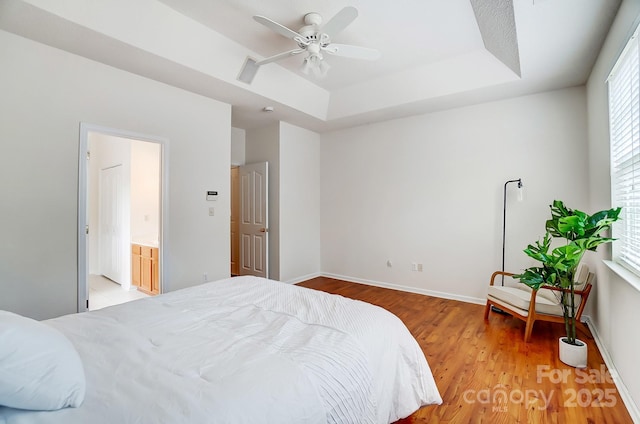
[(212, 195)]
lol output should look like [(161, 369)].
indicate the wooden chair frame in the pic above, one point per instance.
[(534, 316)]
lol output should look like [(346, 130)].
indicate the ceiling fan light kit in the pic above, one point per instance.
[(312, 39)]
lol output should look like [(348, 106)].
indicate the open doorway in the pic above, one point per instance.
[(121, 202)]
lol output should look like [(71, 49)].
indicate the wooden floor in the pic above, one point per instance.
[(485, 372)]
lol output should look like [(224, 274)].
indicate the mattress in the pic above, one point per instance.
[(242, 350)]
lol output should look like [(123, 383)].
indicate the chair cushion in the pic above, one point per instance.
[(520, 298), (552, 296)]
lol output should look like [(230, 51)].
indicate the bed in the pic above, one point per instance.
[(239, 350)]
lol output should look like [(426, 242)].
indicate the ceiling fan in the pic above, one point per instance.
[(314, 39)]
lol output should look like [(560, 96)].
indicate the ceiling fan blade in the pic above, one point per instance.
[(274, 26), (354, 52), (279, 56), (340, 21)]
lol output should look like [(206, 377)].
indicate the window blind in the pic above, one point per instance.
[(624, 126)]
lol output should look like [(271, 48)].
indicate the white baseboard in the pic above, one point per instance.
[(400, 287), (303, 278), (622, 389)]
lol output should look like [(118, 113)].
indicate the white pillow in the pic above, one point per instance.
[(39, 367)]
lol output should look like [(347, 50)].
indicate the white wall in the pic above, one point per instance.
[(293, 154), (238, 137), (616, 305), (299, 203), (46, 93), (145, 190), (428, 189)]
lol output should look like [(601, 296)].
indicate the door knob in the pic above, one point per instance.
[(263, 230)]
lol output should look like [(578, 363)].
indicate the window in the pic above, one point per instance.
[(624, 125)]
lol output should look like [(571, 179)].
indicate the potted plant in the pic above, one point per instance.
[(581, 232)]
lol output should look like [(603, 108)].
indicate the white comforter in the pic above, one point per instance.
[(243, 350)]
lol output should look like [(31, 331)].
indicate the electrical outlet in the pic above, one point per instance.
[(205, 278), (414, 266), (389, 263), (419, 267)]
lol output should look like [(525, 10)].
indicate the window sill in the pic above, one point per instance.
[(624, 273)]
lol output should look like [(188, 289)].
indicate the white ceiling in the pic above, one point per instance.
[(436, 54), (403, 33)]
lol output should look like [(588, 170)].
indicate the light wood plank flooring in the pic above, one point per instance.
[(474, 362)]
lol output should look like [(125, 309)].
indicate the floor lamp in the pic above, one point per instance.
[(504, 225)]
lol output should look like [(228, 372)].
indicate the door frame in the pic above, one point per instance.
[(83, 249)]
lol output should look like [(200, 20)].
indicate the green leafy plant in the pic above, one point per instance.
[(582, 232)]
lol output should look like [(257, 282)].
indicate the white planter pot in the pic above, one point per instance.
[(576, 356)]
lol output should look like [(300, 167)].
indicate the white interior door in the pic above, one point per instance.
[(254, 220), (111, 218)]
